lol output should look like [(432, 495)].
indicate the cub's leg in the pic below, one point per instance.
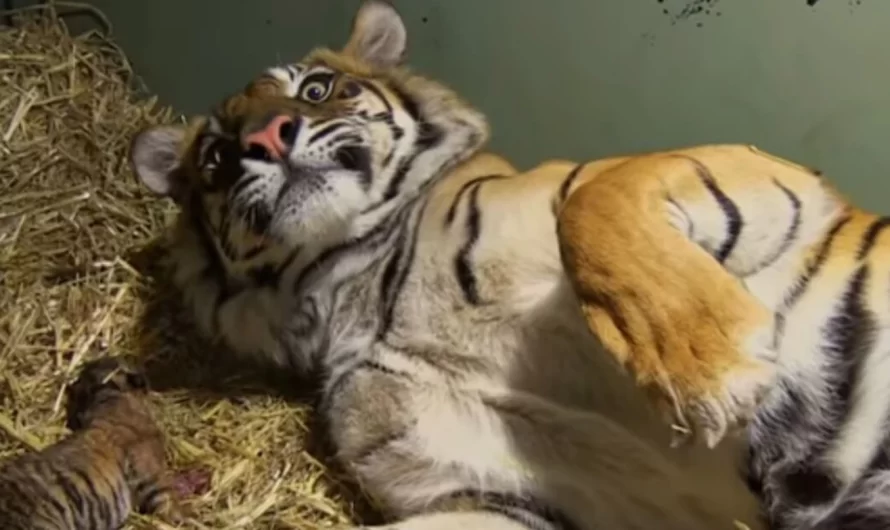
[(658, 249), (153, 488)]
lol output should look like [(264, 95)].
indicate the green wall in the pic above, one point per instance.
[(580, 79)]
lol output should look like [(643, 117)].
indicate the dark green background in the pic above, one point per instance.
[(580, 78)]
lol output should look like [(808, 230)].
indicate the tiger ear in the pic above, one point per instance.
[(378, 35), (155, 158)]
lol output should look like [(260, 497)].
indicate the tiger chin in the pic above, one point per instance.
[(340, 216)]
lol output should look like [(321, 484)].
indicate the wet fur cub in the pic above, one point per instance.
[(113, 463)]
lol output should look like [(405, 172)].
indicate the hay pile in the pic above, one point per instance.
[(79, 278)]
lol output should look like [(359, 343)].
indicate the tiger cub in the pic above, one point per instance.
[(114, 461)]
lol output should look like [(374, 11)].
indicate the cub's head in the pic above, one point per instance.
[(313, 153), (99, 382)]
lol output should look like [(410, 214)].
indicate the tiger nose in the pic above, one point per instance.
[(273, 140)]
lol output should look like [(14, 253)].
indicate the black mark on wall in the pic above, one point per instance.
[(682, 10), (850, 3), (690, 9)]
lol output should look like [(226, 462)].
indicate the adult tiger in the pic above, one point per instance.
[(340, 215)]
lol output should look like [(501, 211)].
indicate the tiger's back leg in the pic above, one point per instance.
[(679, 260)]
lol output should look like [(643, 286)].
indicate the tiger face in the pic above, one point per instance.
[(316, 152)]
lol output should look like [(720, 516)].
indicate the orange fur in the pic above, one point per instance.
[(664, 307)]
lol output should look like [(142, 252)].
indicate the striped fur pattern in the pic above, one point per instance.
[(339, 217), (112, 464), (709, 251)]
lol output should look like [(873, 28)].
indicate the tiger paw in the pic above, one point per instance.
[(709, 395)]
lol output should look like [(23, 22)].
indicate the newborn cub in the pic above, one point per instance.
[(113, 463)]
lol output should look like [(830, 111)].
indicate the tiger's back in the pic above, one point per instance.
[(71, 486)]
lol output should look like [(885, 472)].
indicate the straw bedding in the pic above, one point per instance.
[(80, 277)]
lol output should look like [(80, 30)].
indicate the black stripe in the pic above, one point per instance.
[(849, 337), (528, 510), (730, 210), (392, 190), (122, 504), (254, 252), (790, 235), (325, 131), (813, 268), (96, 509), (25, 494), (391, 287), (372, 237), (376, 91), (852, 332), (566, 185), (463, 267), (346, 137), (64, 511), (386, 161), (397, 132), (385, 117), (406, 102), (871, 236), (452, 209), (388, 278), (471, 143), (258, 218), (73, 494), (243, 183), (289, 260), (395, 185), (428, 136), (149, 495)]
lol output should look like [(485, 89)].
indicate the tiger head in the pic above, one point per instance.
[(98, 383), (313, 153)]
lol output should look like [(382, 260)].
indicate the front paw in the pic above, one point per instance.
[(714, 384), (705, 364)]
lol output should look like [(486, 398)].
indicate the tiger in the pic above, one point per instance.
[(112, 463), (340, 219)]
